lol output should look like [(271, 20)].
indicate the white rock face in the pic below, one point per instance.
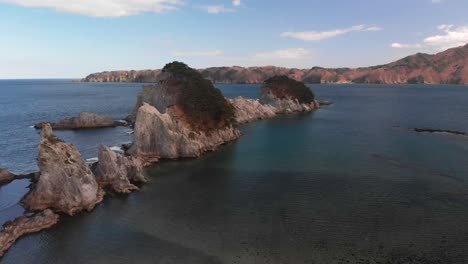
[(66, 183), (164, 136), (249, 110), (115, 171)]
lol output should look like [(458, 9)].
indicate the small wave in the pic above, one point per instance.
[(130, 132), (92, 160), (117, 149)]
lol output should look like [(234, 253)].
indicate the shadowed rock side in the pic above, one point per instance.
[(249, 110), (66, 183), (25, 225), (447, 67), (164, 136), (83, 121), (116, 171)]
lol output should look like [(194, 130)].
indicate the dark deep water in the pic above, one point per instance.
[(346, 184)]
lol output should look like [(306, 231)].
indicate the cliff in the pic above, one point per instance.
[(66, 183), (448, 67), (85, 120)]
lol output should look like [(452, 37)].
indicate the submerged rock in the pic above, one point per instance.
[(66, 183), (165, 136), (25, 225), (288, 95), (431, 130), (116, 171), (248, 110), (84, 121), (6, 177)]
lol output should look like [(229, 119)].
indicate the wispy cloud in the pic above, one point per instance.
[(321, 35), (102, 8), (289, 54), (452, 36), (216, 9), (186, 54), (236, 2)]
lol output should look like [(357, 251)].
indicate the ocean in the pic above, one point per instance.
[(349, 183)]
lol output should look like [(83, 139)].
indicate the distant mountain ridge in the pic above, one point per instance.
[(447, 67)]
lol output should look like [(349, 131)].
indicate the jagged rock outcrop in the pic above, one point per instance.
[(249, 110), (6, 177), (160, 97), (84, 121), (182, 116), (287, 95), (165, 136), (66, 183), (116, 171), (25, 225)]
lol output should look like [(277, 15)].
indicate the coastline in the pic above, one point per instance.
[(29, 224)]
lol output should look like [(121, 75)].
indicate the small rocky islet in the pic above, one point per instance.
[(181, 116)]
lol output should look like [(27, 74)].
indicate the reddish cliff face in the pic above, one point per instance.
[(448, 67)]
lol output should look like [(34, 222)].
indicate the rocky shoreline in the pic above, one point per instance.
[(164, 129)]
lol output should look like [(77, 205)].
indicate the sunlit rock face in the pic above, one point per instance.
[(249, 110), (66, 183), (164, 136)]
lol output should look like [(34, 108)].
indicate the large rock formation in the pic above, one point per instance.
[(25, 225), (84, 121), (66, 183), (116, 171), (448, 67), (182, 116), (165, 136), (249, 110), (287, 95)]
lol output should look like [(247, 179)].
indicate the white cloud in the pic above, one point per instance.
[(185, 54), (451, 36), (321, 35), (289, 54), (437, 1), (397, 45), (216, 9), (236, 2), (102, 8)]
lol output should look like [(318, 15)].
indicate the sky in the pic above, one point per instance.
[(72, 38)]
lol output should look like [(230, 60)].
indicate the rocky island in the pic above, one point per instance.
[(84, 120), (182, 116)]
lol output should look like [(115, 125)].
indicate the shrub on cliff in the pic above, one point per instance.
[(204, 105), (284, 87)]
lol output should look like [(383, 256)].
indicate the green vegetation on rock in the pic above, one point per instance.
[(204, 105), (284, 87)]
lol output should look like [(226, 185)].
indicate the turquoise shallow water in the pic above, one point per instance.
[(346, 184)]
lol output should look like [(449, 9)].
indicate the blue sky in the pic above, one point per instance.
[(57, 39)]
